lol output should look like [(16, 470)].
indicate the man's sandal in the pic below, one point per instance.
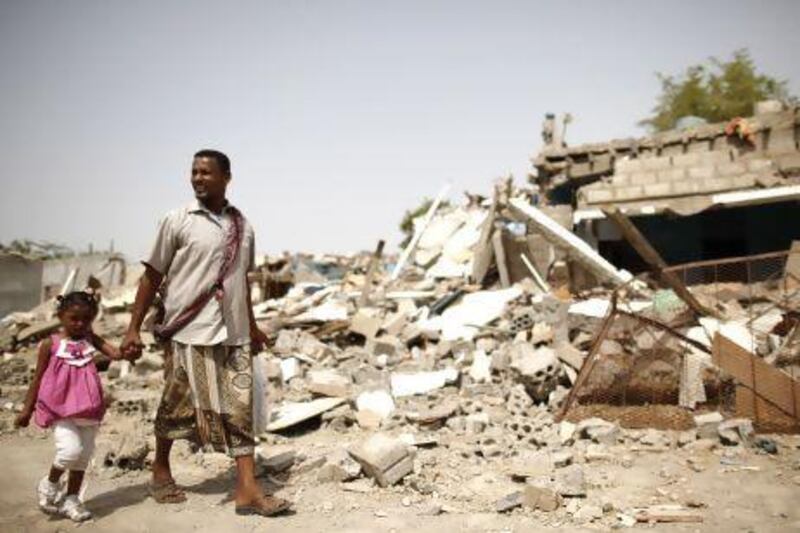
[(265, 506), (167, 492)]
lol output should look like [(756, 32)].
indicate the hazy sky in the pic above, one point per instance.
[(337, 115)]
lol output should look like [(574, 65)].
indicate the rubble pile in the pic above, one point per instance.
[(446, 377)]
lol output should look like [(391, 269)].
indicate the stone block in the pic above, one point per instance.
[(644, 178), (383, 458)]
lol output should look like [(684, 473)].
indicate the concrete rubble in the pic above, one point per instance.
[(449, 383)]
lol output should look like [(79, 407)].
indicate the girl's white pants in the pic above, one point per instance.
[(74, 444)]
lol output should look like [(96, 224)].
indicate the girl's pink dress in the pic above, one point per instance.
[(70, 386)]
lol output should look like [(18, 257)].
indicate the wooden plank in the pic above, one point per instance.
[(653, 258), (766, 382)]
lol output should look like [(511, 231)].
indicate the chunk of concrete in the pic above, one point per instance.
[(598, 430), (571, 481), (707, 424), (328, 383), (421, 382), (373, 407), (365, 325), (339, 467), (735, 431), (541, 498), (383, 458)]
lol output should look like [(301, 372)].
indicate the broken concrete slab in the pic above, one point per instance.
[(463, 320), (406, 384), (339, 467), (290, 414), (578, 249), (328, 383)]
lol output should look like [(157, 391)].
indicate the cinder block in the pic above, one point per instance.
[(601, 164), (686, 160), (781, 140), (628, 166), (789, 162), (643, 178), (732, 168), (628, 193), (657, 190), (578, 170), (657, 163), (700, 173), (597, 196), (699, 146), (760, 165), (673, 174), (621, 179), (745, 181), (684, 188), (672, 149), (383, 458), (717, 184)]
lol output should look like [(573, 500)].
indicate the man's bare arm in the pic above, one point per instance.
[(145, 294)]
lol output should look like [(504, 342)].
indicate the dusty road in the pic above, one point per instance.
[(751, 492)]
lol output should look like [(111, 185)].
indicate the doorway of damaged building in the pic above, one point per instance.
[(712, 234)]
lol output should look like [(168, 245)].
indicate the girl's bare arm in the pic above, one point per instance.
[(24, 418)]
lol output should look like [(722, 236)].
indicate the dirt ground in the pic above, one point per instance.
[(736, 489)]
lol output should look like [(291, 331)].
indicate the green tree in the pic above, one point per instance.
[(407, 223), (717, 91)]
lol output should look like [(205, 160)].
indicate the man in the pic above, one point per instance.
[(202, 253)]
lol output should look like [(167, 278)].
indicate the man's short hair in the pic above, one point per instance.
[(222, 160)]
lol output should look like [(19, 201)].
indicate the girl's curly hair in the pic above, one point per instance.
[(80, 298)]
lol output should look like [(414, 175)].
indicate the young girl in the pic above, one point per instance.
[(66, 394)]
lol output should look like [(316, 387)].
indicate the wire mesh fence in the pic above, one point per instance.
[(653, 356)]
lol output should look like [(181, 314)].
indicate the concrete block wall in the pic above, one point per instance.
[(684, 174)]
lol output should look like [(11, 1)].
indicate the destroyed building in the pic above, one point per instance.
[(707, 191)]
